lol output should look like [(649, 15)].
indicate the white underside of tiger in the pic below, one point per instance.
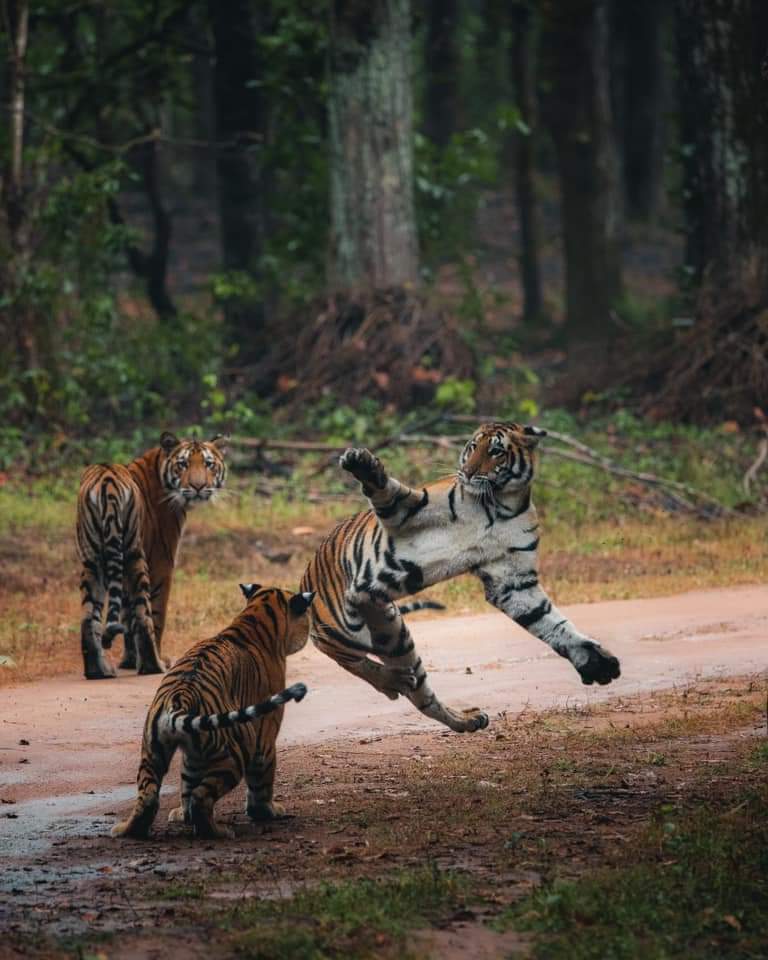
[(419, 537)]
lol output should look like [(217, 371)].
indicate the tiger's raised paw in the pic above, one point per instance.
[(595, 664), (364, 466)]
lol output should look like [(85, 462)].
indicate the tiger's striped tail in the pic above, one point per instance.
[(191, 723), (406, 608)]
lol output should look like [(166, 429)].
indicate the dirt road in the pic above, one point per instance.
[(68, 745)]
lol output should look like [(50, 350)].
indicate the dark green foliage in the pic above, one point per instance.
[(700, 890)]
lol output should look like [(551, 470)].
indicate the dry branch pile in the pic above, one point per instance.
[(717, 370), (391, 345)]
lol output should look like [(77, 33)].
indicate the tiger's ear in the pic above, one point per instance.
[(168, 441), (250, 589), (533, 435), (300, 602), (220, 441)]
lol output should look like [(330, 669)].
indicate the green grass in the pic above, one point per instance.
[(699, 890), (603, 538), (355, 918)]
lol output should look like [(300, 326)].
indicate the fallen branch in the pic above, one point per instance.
[(301, 446), (682, 494), (751, 475), (762, 452)]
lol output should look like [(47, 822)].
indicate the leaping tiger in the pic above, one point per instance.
[(480, 520), (129, 523)]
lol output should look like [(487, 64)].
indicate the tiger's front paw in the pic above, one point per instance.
[(594, 663), (364, 466)]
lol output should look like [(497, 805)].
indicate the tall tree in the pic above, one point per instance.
[(577, 50), (240, 125), (441, 71), (724, 133), (643, 29), (374, 241), (523, 145), (20, 326), (721, 366)]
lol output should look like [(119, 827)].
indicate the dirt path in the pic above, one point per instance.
[(372, 786), (83, 736)]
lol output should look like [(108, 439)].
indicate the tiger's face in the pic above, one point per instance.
[(286, 612), (500, 456), (193, 470)]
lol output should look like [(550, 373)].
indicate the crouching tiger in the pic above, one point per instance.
[(481, 521), (220, 706), (129, 523)]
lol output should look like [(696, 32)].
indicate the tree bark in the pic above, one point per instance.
[(643, 28), (374, 242), (240, 124), (20, 325), (523, 74), (441, 65), (724, 134), (578, 57)]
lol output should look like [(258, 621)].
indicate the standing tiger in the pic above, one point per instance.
[(480, 520), (129, 522), (200, 707)]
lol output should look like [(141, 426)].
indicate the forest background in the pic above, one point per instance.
[(226, 213)]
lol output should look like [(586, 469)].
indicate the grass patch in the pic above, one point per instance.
[(603, 538), (355, 918), (700, 890)]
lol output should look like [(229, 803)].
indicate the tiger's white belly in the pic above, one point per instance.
[(447, 549)]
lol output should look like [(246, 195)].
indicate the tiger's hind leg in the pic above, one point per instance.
[(202, 787), (155, 759), (143, 629), (129, 637), (404, 673), (93, 592), (260, 778)]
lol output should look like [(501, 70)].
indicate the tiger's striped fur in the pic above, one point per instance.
[(199, 708), (480, 521), (129, 522)]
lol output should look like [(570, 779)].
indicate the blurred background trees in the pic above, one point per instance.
[(462, 202)]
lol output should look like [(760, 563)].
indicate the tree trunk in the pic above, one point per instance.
[(20, 324), (578, 52), (441, 65), (724, 134), (719, 368), (643, 27), (523, 73), (374, 241), (240, 124)]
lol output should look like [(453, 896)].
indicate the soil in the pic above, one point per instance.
[(370, 784)]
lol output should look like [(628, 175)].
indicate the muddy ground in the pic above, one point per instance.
[(564, 780)]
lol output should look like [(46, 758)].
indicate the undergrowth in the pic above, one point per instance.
[(356, 918), (700, 889)]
